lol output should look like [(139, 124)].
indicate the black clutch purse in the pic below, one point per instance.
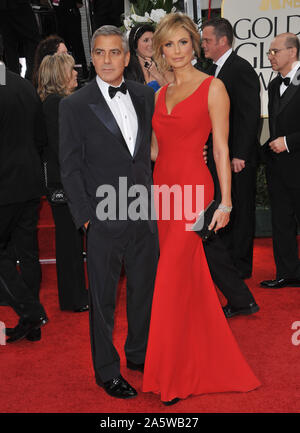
[(203, 221), (57, 196)]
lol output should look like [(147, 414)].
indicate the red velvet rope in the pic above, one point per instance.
[(209, 9)]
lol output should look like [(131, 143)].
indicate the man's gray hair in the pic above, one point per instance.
[(110, 31)]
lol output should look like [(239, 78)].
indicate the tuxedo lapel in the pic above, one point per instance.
[(288, 95), (225, 70), (274, 104), (139, 105), (104, 114)]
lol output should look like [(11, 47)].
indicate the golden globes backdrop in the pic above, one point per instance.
[(255, 24)]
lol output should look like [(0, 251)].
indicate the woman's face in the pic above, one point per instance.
[(72, 82), (178, 49), (61, 48), (144, 45)]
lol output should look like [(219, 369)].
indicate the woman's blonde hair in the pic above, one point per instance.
[(54, 73), (166, 27)]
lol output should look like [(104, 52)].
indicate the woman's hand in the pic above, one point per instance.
[(219, 220)]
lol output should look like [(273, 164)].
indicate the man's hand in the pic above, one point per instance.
[(205, 154), (278, 145), (237, 165)]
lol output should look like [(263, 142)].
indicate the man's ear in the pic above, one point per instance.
[(127, 58), (223, 41)]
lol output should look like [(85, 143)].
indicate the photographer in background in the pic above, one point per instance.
[(69, 28), (18, 25)]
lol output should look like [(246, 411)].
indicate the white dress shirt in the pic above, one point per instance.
[(220, 62), (123, 111), (283, 88), (290, 75)]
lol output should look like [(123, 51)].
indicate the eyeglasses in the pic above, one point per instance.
[(275, 51)]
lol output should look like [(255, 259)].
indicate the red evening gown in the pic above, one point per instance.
[(191, 349)]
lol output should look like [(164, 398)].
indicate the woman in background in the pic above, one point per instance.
[(57, 78), (48, 46), (142, 67)]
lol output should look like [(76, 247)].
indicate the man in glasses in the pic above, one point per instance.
[(283, 158)]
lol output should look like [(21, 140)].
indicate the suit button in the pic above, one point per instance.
[(133, 161)]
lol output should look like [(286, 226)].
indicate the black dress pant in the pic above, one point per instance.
[(225, 274), (72, 292), (138, 249), (285, 207), (223, 271), (238, 235), (69, 28), (18, 226), (19, 26)]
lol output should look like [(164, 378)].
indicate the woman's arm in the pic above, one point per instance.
[(154, 147), (154, 144), (219, 106)]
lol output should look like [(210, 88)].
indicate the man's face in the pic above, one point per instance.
[(109, 58), (280, 57), (210, 44)]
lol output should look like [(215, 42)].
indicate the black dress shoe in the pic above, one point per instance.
[(171, 402), (134, 366), (231, 311), (117, 387), (280, 282), (34, 335), (25, 327), (81, 309)]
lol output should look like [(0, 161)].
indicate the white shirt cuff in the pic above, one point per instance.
[(286, 144)]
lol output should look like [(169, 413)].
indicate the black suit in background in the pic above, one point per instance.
[(283, 177), (242, 85), (93, 152), (22, 137), (72, 293), (69, 28), (18, 25), (107, 12)]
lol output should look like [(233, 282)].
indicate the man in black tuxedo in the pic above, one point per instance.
[(107, 12), (242, 85), (282, 154), (69, 28), (22, 136), (105, 135), (18, 24)]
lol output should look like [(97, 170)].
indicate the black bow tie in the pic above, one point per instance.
[(113, 90), (285, 80), (212, 69)]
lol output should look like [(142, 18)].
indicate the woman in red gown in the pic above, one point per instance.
[(191, 349)]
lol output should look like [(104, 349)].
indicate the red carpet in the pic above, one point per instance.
[(55, 375)]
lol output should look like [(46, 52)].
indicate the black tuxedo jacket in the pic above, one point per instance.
[(93, 151), (243, 87), (284, 122), (11, 4), (22, 137)]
